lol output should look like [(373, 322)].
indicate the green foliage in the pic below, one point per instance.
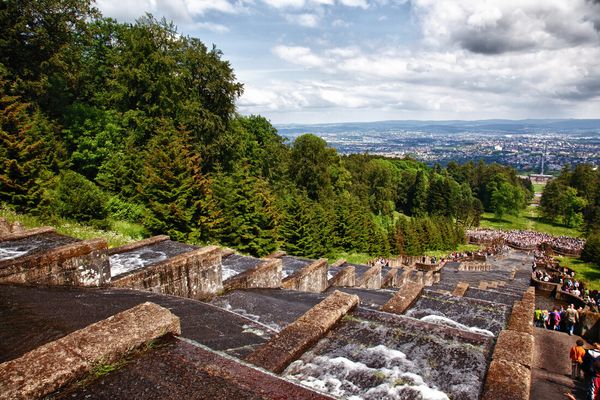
[(79, 199), (591, 250)]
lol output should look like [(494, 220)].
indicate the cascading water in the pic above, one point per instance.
[(126, 262), (395, 357)]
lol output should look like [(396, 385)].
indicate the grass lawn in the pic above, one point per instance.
[(588, 273), (121, 232), (353, 258), (528, 219), (539, 187)]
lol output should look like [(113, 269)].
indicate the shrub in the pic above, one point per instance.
[(591, 250), (79, 199)]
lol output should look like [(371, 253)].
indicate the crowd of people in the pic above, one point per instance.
[(585, 366), (558, 319), (527, 239), (565, 279)]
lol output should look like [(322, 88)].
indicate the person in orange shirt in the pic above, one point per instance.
[(576, 354)]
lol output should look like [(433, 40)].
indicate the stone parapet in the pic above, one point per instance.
[(460, 289), (371, 279), (345, 278), (83, 263), (406, 296), (7, 235), (195, 274), (136, 245), (515, 347), (312, 278), (296, 338), (49, 367), (507, 380), (276, 254), (267, 274), (338, 263)]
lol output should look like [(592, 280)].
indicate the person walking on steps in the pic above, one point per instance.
[(576, 354), (589, 365), (572, 318)]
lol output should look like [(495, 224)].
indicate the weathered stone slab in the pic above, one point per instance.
[(345, 278), (83, 263), (507, 381), (296, 338), (265, 275), (590, 326), (460, 289), (521, 318), (406, 297), (136, 245), (515, 347), (195, 274), (371, 279), (8, 235), (312, 278), (338, 263), (51, 366), (4, 227)]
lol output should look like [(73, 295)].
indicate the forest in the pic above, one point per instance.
[(102, 121)]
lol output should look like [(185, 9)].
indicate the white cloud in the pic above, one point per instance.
[(299, 55), (307, 20), (209, 26), (355, 3)]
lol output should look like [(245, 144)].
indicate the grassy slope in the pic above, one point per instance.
[(121, 232), (586, 272), (527, 219)]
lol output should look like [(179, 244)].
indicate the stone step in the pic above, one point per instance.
[(178, 369), (33, 316)]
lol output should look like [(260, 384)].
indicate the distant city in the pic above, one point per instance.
[(520, 144)]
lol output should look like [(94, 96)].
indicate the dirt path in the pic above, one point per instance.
[(551, 372)]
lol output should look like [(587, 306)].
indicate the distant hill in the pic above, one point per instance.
[(450, 126)]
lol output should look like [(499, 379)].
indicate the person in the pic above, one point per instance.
[(572, 318), (588, 366), (538, 317), (576, 355)]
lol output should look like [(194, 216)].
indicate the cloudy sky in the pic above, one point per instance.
[(313, 61)]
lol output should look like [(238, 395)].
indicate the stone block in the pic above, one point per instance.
[(371, 279), (296, 338), (136, 245), (83, 263), (521, 318), (312, 278), (8, 235), (460, 289), (195, 274), (55, 364), (407, 294), (515, 347), (265, 275), (507, 380), (345, 278)]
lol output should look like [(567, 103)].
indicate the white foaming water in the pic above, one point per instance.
[(122, 263), (375, 373), (10, 252), (228, 272), (441, 320)]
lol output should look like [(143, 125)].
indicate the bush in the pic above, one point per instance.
[(591, 250), (122, 210), (80, 199)]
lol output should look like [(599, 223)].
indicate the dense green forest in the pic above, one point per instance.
[(573, 199), (104, 121)]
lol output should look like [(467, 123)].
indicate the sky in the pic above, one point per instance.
[(324, 61)]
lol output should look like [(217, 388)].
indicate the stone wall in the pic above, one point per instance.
[(590, 326), (345, 278), (136, 245), (82, 263), (312, 278), (299, 336), (406, 296), (509, 374), (49, 367), (371, 279), (265, 275), (7, 228), (7, 234), (460, 289), (195, 274)]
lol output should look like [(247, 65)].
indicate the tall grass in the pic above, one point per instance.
[(120, 233)]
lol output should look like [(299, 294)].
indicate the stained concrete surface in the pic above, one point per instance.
[(551, 372), (177, 370), (33, 316)]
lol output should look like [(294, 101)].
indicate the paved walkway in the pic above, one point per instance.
[(551, 372)]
